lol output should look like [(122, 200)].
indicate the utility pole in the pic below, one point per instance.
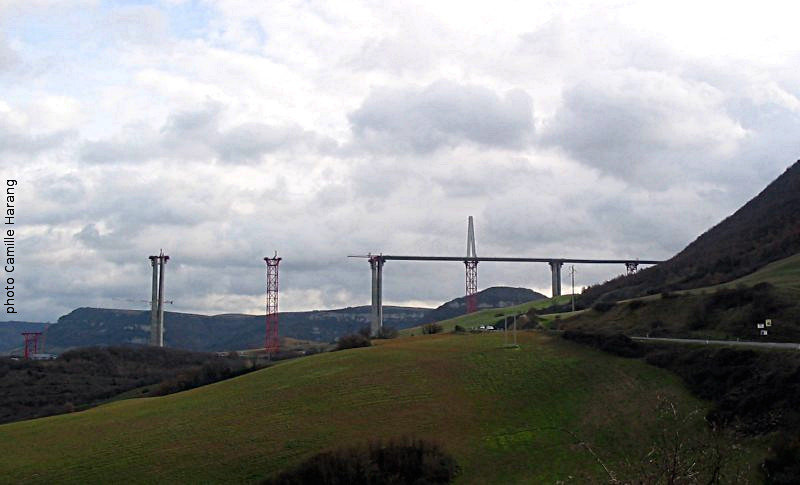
[(572, 273), (515, 330), (162, 261), (505, 331)]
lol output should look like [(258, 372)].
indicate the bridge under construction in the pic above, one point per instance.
[(471, 261)]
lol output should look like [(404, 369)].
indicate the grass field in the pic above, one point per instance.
[(490, 315), (504, 414), (784, 273)]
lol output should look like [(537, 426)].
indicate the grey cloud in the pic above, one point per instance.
[(398, 53), (8, 57), (504, 174), (90, 236), (13, 140), (250, 140), (62, 189), (196, 135), (135, 144), (137, 23), (442, 114), (646, 128)]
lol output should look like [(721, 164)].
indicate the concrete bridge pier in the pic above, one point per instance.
[(154, 304), (555, 270), (376, 322)]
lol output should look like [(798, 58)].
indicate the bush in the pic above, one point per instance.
[(603, 306), (431, 328), (459, 329), (352, 341), (387, 333), (636, 304), (81, 378), (394, 462), (211, 371), (782, 466), (616, 344)]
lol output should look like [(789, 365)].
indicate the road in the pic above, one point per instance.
[(771, 345)]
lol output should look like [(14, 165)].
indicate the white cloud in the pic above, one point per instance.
[(223, 131)]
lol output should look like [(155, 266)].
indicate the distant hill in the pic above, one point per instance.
[(85, 377), (764, 230), (11, 335), (102, 326), (494, 297)]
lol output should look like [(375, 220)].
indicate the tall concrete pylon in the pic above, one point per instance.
[(154, 303), (555, 269), (471, 253), (157, 300), (471, 266), (376, 321)]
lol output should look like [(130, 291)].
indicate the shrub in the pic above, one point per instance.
[(366, 331), (431, 328), (459, 329), (352, 341), (398, 461), (782, 466), (387, 333), (636, 304), (616, 344), (603, 306)]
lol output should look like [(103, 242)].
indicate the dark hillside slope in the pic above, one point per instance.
[(11, 335), (103, 326), (85, 377), (764, 230), (493, 297)]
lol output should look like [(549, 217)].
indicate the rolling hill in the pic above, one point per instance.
[(549, 411), (102, 326), (726, 311), (491, 316), (494, 297), (784, 273), (764, 230)]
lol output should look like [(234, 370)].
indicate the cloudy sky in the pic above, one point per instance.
[(221, 131)]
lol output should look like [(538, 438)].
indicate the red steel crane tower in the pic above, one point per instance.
[(31, 343), (472, 270), (272, 344)]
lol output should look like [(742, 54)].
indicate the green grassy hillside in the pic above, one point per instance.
[(784, 273), (506, 415), (726, 311), (761, 232), (490, 316)]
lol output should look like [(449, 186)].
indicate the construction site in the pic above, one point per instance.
[(34, 341)]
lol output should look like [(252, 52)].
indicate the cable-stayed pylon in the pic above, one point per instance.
[(471, 270)]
